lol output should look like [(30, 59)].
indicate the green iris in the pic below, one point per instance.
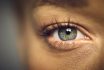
[(69, 33)]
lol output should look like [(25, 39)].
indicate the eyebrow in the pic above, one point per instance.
[(64, 3)]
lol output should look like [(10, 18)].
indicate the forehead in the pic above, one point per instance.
[(90, 8)]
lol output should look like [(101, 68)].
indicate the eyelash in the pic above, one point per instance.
[(49, 29)]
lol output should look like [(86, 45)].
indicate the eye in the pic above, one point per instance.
[(65, 36), (68, 33)]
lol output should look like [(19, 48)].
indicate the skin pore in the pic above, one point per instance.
[(87, 56)]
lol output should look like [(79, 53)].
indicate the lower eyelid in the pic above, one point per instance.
[(67, 45)]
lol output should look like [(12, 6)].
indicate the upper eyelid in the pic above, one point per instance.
[(45, 25), (63, 16), (69, 23)]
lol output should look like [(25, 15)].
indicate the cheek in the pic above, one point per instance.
[(43, 58)]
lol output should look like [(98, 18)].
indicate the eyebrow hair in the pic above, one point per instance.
[(63, 3)]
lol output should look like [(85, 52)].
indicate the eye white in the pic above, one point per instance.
[(80, 35)]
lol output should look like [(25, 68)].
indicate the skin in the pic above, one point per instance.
[(86, 57)]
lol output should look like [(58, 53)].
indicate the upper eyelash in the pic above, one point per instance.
[(47, 31)]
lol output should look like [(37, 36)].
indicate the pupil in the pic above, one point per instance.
[(68, 31)]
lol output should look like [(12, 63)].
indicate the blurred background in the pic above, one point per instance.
[(9, 54)]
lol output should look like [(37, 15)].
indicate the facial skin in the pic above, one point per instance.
[(87, 56)]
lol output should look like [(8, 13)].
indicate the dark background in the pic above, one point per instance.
[(9, 56)]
